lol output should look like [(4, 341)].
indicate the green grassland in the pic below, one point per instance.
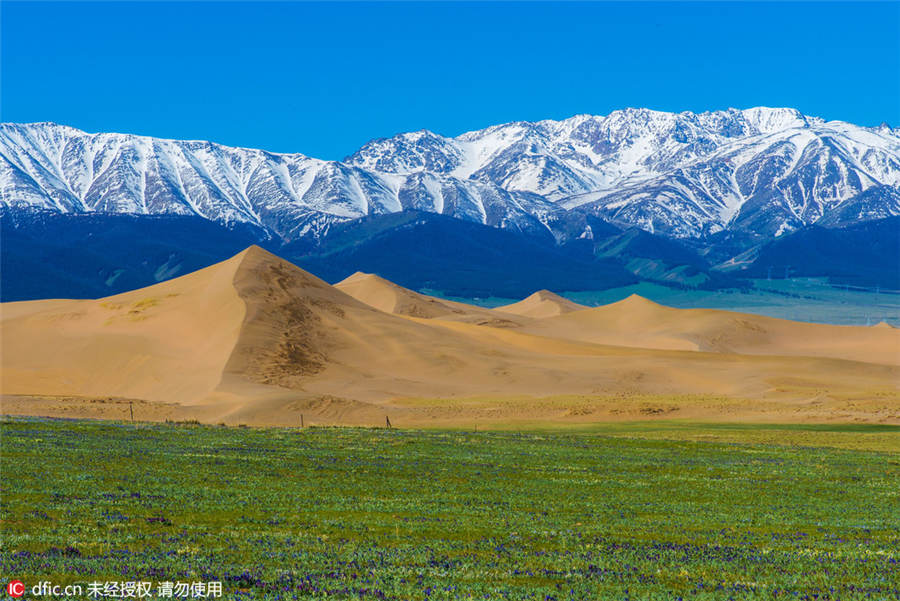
[(624, 511)]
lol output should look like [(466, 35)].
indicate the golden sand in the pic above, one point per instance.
[(257, 340)]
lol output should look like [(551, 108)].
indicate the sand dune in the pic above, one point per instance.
[(162, 343), (257, 340), (542, 303), (387, 296), (638, 322)]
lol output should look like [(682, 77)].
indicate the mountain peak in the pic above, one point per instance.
[(635, 167), (769, 120)]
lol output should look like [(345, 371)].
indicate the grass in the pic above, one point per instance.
[(617, 512), (656, 416)]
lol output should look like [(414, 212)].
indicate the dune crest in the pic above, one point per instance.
[(255, 339), (386, 296), (541, 304), (637, 302), (161, 343), (389, 297), (638, 322)]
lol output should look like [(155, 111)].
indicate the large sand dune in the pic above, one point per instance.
[(257, 340), (391, 298), (387, 296), (542, 303), (639, 322)]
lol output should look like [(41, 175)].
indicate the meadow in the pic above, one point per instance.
[(673, 511)]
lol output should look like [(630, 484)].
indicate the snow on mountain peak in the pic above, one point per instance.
[(760, 170), (769, 120)]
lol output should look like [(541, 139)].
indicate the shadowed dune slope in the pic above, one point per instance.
[(542, 303), (389, 297), (386, 296), (256, 339)]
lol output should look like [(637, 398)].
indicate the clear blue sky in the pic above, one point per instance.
[(323, 78)]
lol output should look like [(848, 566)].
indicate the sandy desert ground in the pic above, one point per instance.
[(256, 340)]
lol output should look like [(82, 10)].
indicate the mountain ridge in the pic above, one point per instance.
[(762, 171)]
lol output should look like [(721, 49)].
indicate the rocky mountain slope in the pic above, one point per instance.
[(760, 172)]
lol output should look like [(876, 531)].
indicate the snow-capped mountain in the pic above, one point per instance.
[(760, 171), (58, 168)]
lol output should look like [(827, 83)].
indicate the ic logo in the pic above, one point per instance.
[(15, 588)]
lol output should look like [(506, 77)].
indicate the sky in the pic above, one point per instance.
[(324, 78)]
